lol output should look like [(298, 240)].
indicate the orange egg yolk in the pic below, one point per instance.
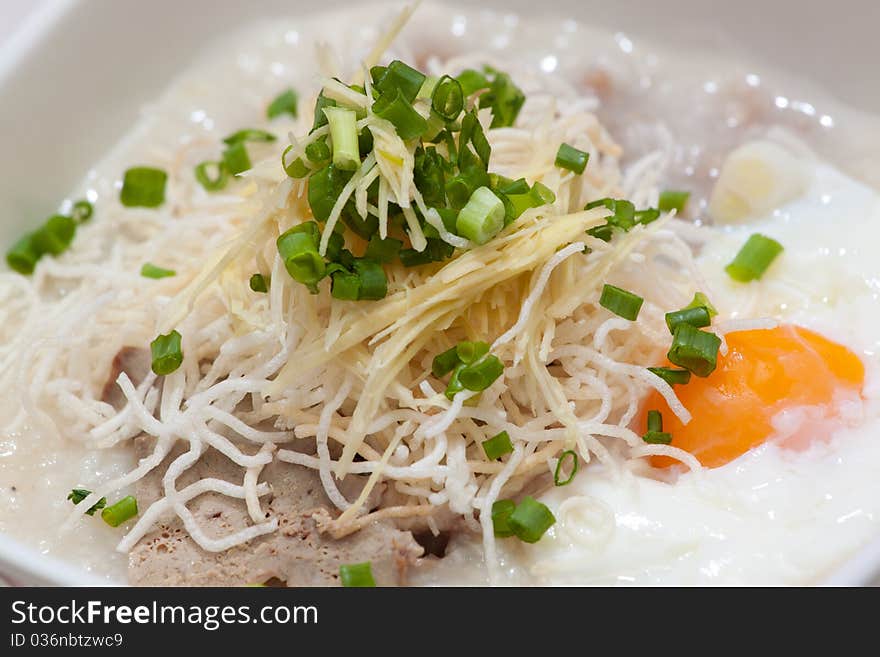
[(764, 372)]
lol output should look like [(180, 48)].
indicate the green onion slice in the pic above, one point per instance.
[(236, 159), (470, 352), (698, 317), (530, 520), (497, 446), (657, 437), (166, 353), (472, 81), (672, 199), (671, 375), (298, 248), (408, 123), (344, 134), (501, 512), (143, 187), (569, 455), (123, 510), (284, 103), (374, 283), (400, 78), (620, 302), (480, 375), (249, 134), (296, 169), (693, 349), (23, 255), (655, 421), (444, 363), (149, 270), (211, 175), (753, 259), (571, 158), (701, 299), (448, 98), (77, 495), (259, 283), (55, 236), (82, 211), (357, 575), (482, 217)]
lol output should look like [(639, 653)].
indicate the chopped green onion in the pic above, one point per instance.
[(567, 454), (55, 235), (671, 375), (647, 215), (508, 186), (480, 375), (258, 283), (320, 118), (569, 157), (482, 217), (655, 421), (428, 86), (325, 185), (149, 270), (318, 152), (436, 251), (296, 169), (215, 182), (470, 352), (123, 510), (166, 353), (444, 363), (472, 81), (284, 103), (447, 99), (530, 520), (344, 134), (694, 349), (23, 255), (248, 134), (77, 495), (357, 575), (671, 199), (753, 258), (623, 212), (501, 512), (81, 211), (374, 283), (603, 232), (298, 248), (657, 437), (380, 250), (400, 78), (400, 112), (345, 286), (697, 317), (701, 299), (143, 187), (454, 386), (620, 302), (497, 446), (236, 159), (505, 99)]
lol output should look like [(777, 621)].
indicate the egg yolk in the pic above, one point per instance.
[(764, 372)]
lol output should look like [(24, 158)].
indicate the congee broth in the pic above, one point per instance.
[(398, 303)]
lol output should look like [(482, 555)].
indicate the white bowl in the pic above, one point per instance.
[(74, 76)]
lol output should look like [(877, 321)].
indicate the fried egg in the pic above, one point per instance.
[(786, 427)]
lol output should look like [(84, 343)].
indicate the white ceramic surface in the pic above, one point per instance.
[(75, 73)]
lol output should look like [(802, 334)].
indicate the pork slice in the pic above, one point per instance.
[(136, 363), (296, 553)]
